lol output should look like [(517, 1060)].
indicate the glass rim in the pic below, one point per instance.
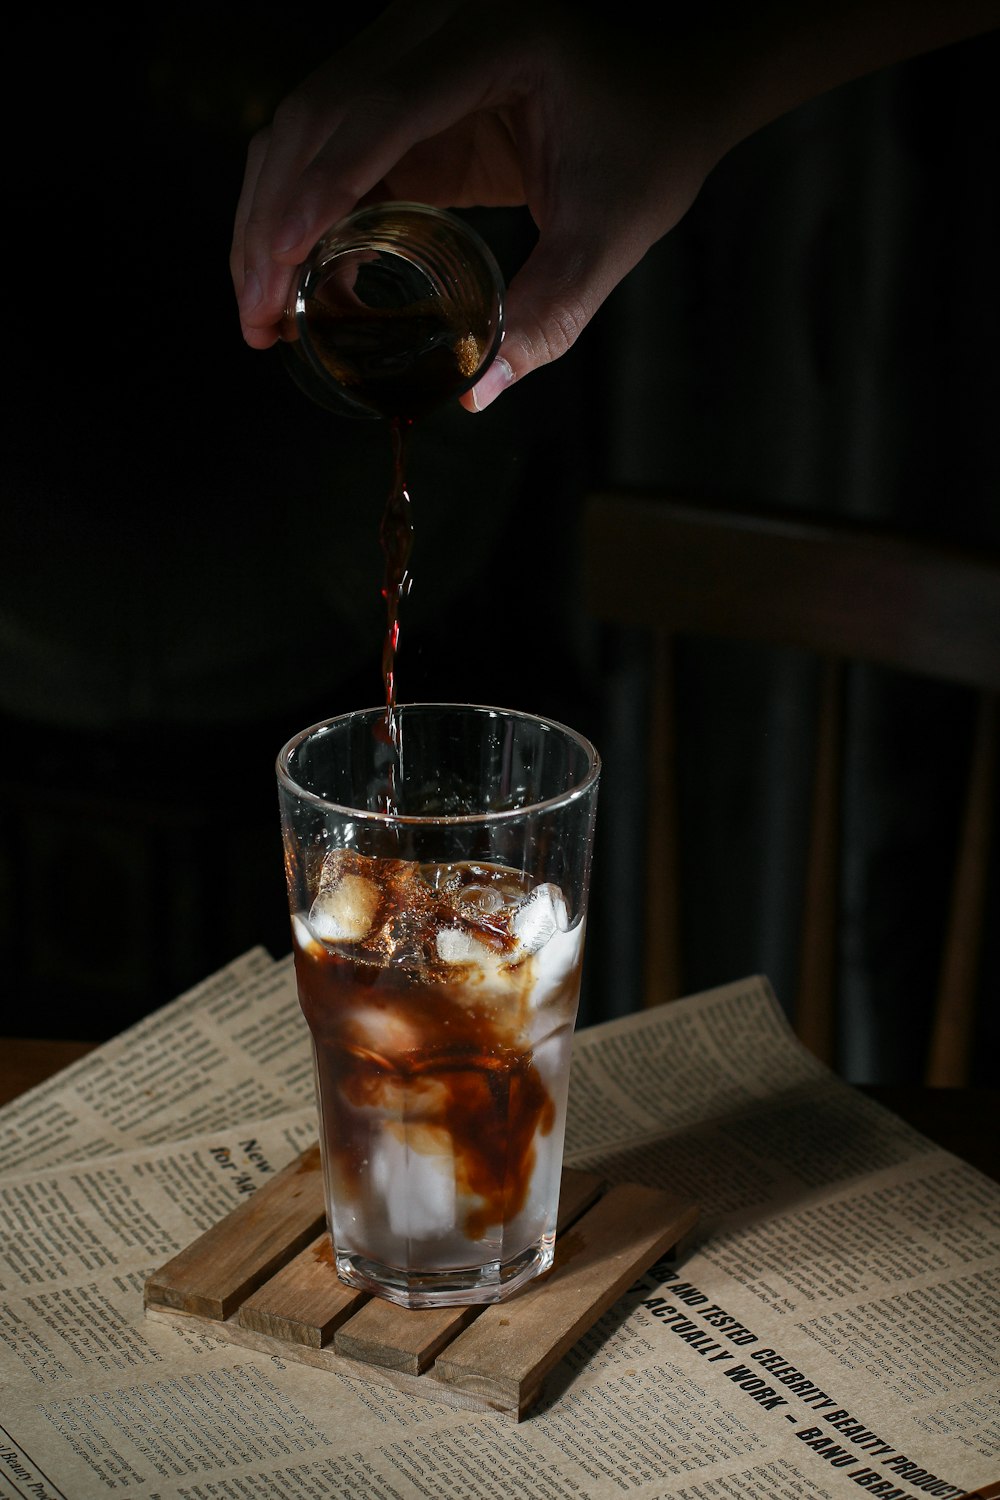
[(384, 208), (295, 315), (572, 794), (400, 208)]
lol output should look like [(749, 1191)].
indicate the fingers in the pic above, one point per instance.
[(332, 142), (269, 240), (250, 291)]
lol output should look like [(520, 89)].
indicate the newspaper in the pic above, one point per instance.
[(832, 1331)]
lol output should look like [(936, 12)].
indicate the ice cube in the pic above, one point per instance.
[(344, 909), (552, 963), (414, 1175), (457, 945), (385, 1029), (539, 917)]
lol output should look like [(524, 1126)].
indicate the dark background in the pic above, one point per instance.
[(190, 568)]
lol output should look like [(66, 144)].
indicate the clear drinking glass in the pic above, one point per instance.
[(438, 952), (398, 308)]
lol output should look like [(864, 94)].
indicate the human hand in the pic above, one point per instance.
[(463, 103), (605, 131)]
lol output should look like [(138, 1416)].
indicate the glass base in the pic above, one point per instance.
[(465, 1286)]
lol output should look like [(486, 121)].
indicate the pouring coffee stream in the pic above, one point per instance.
[(398, 309)]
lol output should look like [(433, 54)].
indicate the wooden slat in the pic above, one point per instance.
[(842, 587), (953, 1031), (305, 1302), (507, 1352), (221, 1268), (816, 997), (400, 1338), (662, 964)]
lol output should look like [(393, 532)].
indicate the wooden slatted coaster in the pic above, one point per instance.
[(263, 1278)]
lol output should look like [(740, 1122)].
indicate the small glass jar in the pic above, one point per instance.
[(398, 309)]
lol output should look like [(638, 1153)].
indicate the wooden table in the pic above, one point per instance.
[(25, 1062), (965, 1121)]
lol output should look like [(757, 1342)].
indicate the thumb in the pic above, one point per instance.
[(549, 303)]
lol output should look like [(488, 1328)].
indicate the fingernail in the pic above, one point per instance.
[(251, 294), (497, 378), (290, 233)]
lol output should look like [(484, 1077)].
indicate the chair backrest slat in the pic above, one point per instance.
[(845, 590)]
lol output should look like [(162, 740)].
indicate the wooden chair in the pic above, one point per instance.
[(849, 593)]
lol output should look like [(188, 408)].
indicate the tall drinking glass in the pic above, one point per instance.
[(438, 950)]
